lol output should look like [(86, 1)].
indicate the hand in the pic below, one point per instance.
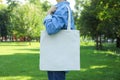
[(51, 10)]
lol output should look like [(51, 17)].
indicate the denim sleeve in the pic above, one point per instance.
[(55, 22)]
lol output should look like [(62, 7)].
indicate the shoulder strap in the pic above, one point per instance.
[(69, 18)]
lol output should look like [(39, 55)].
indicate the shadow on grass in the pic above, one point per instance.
[(94, 66), (112, 47), (21, 65)]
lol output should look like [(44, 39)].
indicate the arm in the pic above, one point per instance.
[(55, 22)]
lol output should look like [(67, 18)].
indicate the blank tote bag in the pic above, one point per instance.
[(60, 51)]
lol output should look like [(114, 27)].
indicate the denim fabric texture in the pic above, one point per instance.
[(56, 75), (59, 19)]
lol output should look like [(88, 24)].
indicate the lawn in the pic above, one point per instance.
[(20, 61)]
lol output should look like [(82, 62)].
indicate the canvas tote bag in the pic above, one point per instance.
[(60, 51)]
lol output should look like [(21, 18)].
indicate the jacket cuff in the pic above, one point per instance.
[(47, 18)]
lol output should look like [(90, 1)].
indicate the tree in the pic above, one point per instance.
[(110, 19), (22, 20), (26, 20), (99, 18), (89, 22), (3, 22)]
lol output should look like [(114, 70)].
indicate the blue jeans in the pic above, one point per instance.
[(56, 75)]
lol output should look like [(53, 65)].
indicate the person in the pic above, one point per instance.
[(56, 20)]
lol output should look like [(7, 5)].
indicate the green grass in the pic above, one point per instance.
[(20, 61)]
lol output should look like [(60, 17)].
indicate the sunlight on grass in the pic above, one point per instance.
[(83, 69), (13, 48), (16, 78), (103, 52), (108, 52), (20, 61), (94, 67), (87, 43)]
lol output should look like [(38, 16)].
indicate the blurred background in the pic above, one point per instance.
[(21, 22)]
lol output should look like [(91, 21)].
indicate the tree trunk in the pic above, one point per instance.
[(98, 42), (2, 39), (118, 42)]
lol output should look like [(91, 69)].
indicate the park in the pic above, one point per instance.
[(20, 27)]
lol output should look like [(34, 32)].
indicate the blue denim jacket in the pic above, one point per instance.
[(59, 19)]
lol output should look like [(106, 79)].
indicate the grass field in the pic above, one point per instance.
[(20, 61)]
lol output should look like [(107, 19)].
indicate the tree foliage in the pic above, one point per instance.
[(99, 18), (26, 20), (3, 21), (22, 20)]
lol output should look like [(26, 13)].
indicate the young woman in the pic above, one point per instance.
[(56, 20)]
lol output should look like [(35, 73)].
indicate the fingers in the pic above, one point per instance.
[(52, 10)]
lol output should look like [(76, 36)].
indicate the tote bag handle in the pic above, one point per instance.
[(69, 18)]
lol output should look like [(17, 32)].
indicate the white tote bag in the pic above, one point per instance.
[(60, 51)]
